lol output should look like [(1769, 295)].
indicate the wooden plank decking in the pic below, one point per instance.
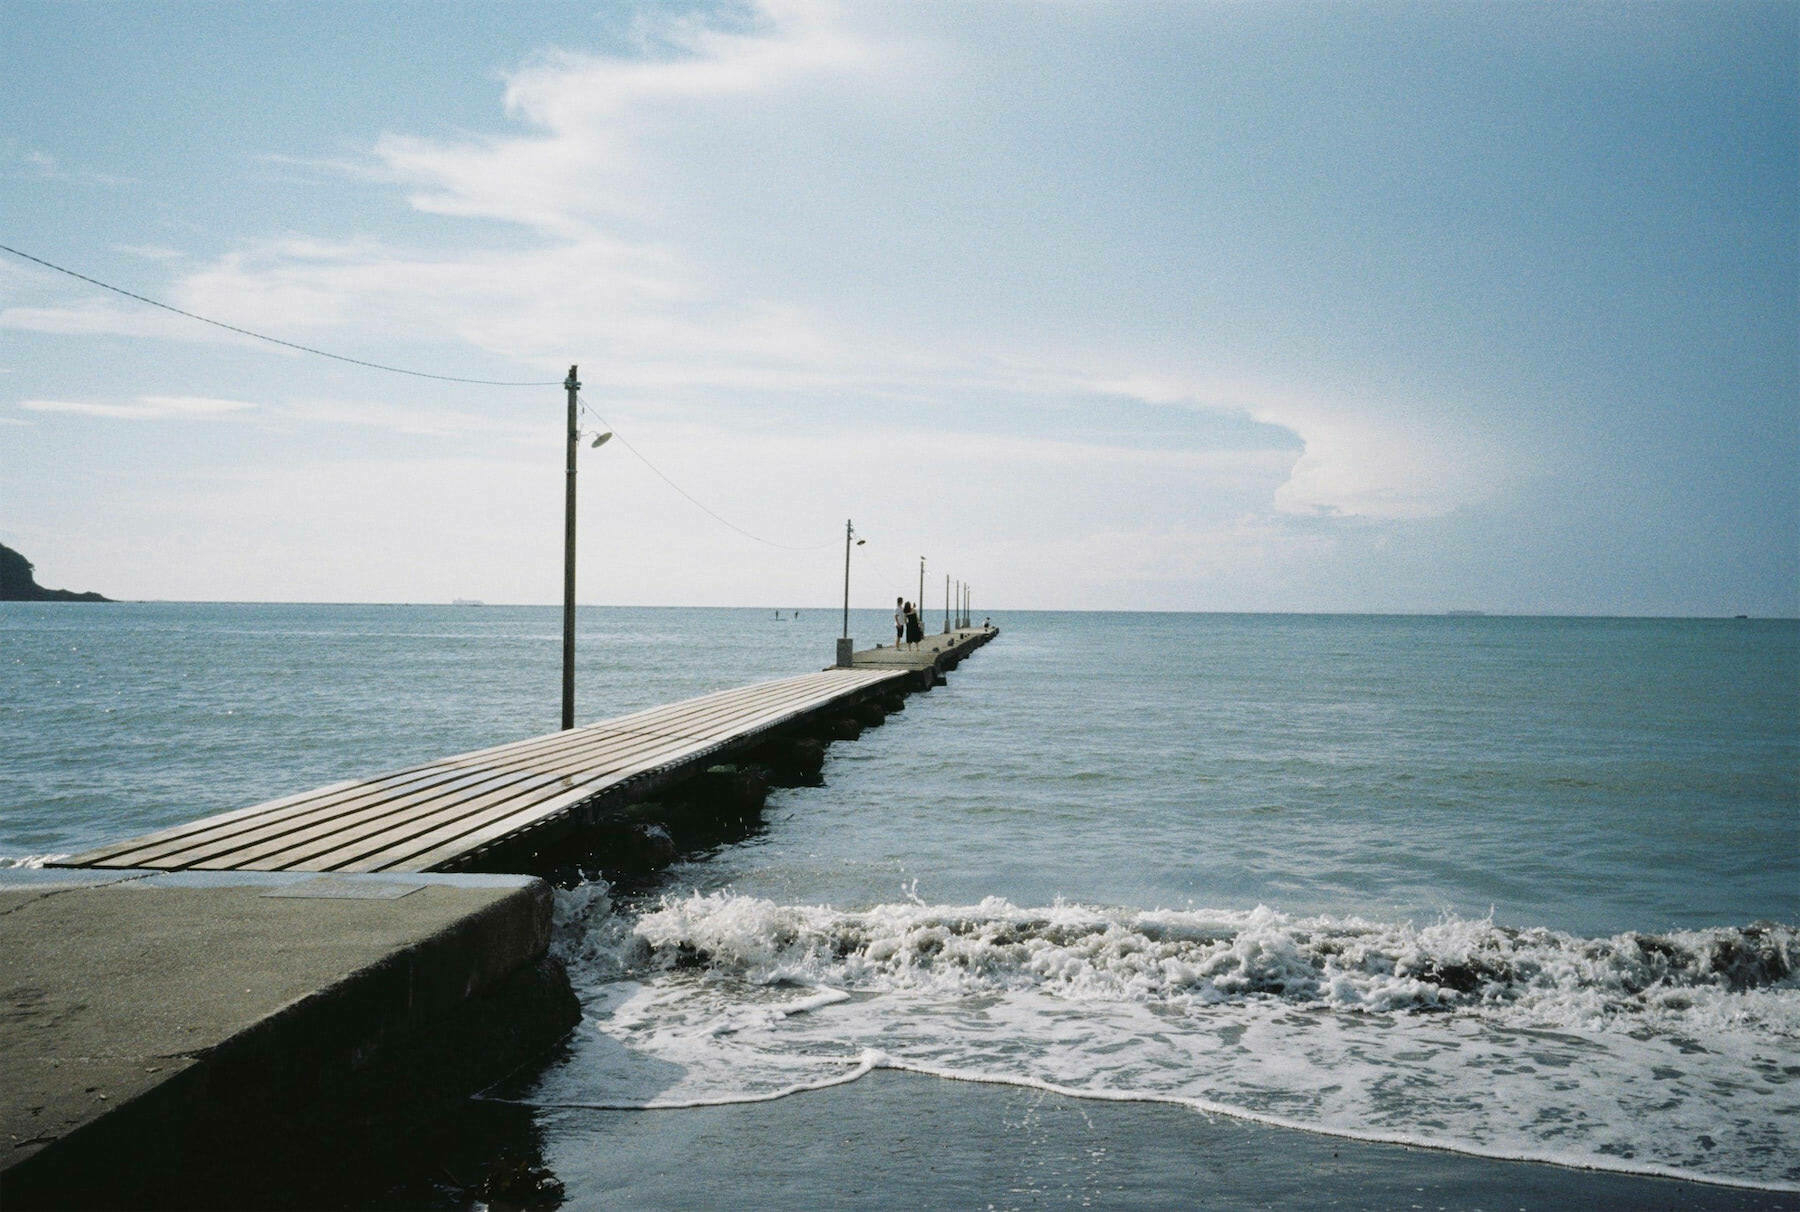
[(429, 817)]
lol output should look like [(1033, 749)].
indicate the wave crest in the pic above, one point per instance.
[(1199, 957)]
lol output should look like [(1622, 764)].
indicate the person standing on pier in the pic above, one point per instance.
[(915, 630), (899, 622)]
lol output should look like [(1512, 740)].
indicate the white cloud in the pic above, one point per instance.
[(1388, 467), (639, 314), (592, 114), (1382, 459), (638, 307), (144, 408)]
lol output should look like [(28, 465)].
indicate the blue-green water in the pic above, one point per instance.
[(1491, 882)]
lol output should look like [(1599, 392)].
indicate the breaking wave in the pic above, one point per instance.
[(1672, 1054), (30, 862)]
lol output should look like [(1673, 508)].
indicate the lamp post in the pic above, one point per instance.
[(844, 649), (919, 602), (573, 385)]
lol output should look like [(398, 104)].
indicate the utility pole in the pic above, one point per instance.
[(848, 531), (845, 651), (920, 603), (946, 602), (568, 670)]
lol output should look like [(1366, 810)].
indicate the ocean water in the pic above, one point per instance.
[(1523, 888)]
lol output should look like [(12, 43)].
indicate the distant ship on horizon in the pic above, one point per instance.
[(467, 602)]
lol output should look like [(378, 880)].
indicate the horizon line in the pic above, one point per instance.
[(1465, 613)]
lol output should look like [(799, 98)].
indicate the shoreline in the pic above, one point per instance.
[(894, 1138), (874, 1062)]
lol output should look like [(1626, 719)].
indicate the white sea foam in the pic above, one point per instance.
[(1673, 1054), (1534, 977)]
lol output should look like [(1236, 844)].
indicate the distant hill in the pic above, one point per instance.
[(18, 585)]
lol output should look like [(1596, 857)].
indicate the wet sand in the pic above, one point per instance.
[(897, 1140), (900, 1140)]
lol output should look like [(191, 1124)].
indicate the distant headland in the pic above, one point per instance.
[(18, 585)]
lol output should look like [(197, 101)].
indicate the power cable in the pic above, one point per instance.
[(691, 499), (880, 572), (400, 370), (323, 353)]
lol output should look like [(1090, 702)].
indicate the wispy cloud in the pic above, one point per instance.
[(91, 318), (42, 166), (145, 408), (314, 167), (409, 421), (150, 252)]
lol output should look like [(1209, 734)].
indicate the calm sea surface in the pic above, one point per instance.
[(1525, 887)]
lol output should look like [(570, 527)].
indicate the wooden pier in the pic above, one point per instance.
[(254, 997), (447, 814)]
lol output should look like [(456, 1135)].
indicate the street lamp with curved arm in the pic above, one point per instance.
[(573, 386), (844, 648)]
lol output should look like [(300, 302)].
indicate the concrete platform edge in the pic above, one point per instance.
[(326, 1074)]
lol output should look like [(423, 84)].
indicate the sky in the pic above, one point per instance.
[(1359, 307)]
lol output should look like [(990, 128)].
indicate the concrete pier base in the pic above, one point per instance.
[(163, 1030)]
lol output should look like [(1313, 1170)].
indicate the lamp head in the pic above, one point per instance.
[(601, 439)]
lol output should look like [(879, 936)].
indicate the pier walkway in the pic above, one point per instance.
[(441, 815), (257, 996)]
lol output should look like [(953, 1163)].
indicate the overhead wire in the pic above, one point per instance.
[(690, 498), (401, 370), (881, 571), (261, 336)]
